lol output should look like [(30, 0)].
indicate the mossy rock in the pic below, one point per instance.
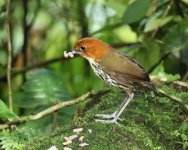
[(149, 123)]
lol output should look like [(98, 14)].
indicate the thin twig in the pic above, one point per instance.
[(169, 6), (158, 80), (175, 99), (34, 66), (122, 44), (185, 76), (26, 30), (163, 57), (181, 84), (9, 55), (50, 110), (178, 8), (29, 26), (84, 27), (54, 120), (25, 36), (47, 62)]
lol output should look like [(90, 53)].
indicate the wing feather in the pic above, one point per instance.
[(123, 69)]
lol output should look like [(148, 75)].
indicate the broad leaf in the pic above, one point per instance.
[(2, 2), (176, 38), (185, 1), (160, 72), (5, 112), (148, 54), (107, 28), (155, 23), (43, 87), (136, 10)]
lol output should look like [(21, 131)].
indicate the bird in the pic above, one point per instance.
[(115, 68)]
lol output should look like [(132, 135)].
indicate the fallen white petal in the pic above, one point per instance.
[(81, 138), (90, 131), (72, 137), (53, 148), (78, 130), (83, 144), (66, 138), (67, 148), (67, 142)]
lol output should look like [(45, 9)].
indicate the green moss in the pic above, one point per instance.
[(148, 123)]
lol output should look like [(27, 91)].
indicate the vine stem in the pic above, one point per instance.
[(9, 46), (51, 110)]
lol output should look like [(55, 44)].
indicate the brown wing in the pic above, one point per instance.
[(124, 69)]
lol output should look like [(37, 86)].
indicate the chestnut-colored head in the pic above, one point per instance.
[(92, 48)]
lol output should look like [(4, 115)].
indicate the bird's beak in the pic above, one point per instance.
[(71, 53)]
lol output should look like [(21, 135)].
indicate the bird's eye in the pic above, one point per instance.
[(82, 48)]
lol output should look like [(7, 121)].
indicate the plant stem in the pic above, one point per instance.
[(25, 34), (50, 110), (14, 73), (9, 55)]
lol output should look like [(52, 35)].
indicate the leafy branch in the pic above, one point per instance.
[(51, 61), (175, 99), (51, 109), (26, 30), (34, 66)]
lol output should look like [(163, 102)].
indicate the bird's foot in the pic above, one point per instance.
[(107, 121), (106, 116)]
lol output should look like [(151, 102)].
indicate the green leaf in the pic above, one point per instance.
[(160, 72), (155, 23), (12, 140), (2, 2), (5, 113), (107, 28), (131, 36), (43, 87), (185, 1), (118, 7), (136, 10), (148, 53), (176, 37)]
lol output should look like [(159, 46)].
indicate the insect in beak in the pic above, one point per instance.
[(71, 53)]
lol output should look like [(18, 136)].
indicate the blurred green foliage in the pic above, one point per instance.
[(42, 30), (5, 113), (42, 88)]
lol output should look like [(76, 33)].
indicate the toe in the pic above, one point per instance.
[(107, 121)]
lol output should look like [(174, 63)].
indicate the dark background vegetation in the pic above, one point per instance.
[(154, 32)]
